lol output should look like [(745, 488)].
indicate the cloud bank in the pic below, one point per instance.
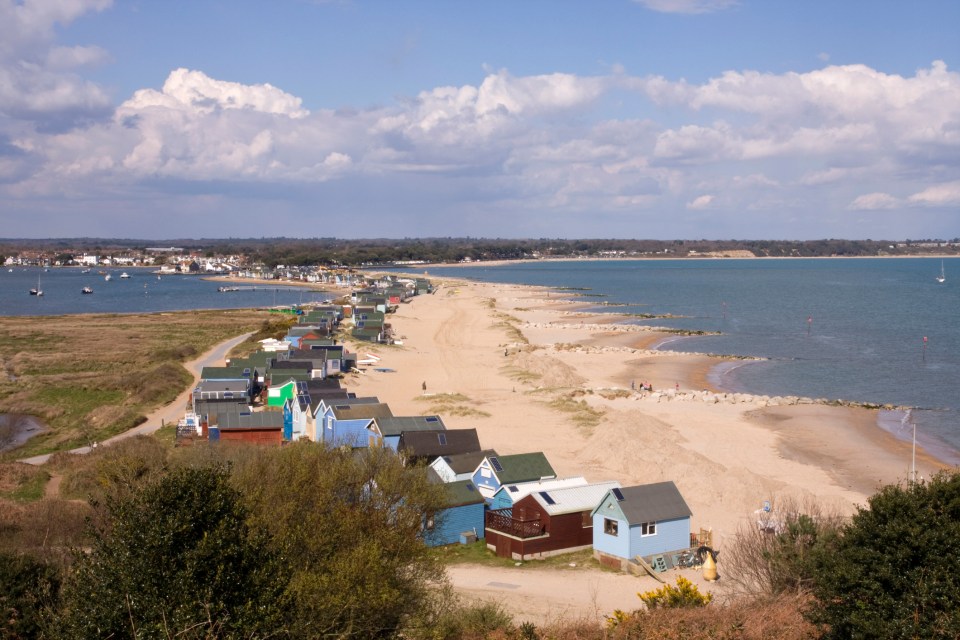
[(782, 155)]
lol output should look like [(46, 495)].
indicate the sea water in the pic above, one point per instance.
[(877, 330), (142, 292)]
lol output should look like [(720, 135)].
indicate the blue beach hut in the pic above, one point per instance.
[(462, 514), (642, 520)]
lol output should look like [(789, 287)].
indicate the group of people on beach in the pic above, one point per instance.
[(644, 386)]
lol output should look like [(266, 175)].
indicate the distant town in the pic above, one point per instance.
[(272, 257)]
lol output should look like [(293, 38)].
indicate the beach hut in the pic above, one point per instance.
[(459, 466), (265, 427), (347, 423), (387, 430), (545, 523), (461, 516), (496, 471), (508, 494), (427, 446), (643, 520)]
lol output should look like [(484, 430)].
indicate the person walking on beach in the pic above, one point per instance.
[(424, 386)]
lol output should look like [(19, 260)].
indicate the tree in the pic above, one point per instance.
[(175, 558), (350, 525), (894, 572), (26, 587)]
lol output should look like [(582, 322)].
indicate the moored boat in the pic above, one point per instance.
[(86, 290)]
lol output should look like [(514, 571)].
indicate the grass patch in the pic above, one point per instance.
[(166, 435), (91, 376), (508, 324), (454, 404), (520, 375), (31, 487), (477, 553), (582, 414)]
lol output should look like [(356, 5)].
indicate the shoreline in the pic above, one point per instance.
[(945, 452), (532, 372)]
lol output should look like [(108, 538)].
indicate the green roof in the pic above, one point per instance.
[(214, 373), (523, 467), (395, 425), (461, 493)]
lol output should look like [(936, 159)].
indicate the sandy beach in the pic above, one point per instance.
[(534, 373)]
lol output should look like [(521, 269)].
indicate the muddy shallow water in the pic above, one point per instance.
[(17, 428)]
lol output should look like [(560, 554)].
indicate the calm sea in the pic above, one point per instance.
[(866, 330), (141, 292)]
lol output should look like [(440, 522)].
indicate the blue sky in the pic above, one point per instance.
[(622, 118)]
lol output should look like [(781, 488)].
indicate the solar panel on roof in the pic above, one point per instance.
[(442, 438), (433, 419), (469, 487), (342, 407), (496, 463), (513, 488), (618, 495), (546, 497)]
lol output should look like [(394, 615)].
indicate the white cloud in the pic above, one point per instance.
[(871, 201), (687, 6), (202, 94), (701, 202), (939, 195), (35, 83)]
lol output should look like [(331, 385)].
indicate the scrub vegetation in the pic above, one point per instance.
[(89, 377)]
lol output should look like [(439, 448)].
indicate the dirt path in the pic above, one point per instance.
[(547, 595), (52, 490), (170, 412)]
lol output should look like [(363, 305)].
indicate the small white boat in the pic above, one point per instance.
[(124, 275), (108, 277), (943, 276), (86, 290), (37, 291), (85, 271)]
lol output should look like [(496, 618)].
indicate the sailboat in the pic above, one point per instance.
[(37, 291), (942, 277)]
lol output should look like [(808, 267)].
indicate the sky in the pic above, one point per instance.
[(660, 119)]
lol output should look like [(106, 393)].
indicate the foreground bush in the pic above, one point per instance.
[(894, 572), (174, 559)]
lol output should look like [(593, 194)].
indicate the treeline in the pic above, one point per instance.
[(336, 251)]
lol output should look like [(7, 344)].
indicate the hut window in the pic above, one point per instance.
[(586, 520), (648, 529), (610, 527)]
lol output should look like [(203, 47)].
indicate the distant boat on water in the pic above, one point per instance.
[(124, 275), (943, 276), (37, 291), (86, 290), (108, 277)]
